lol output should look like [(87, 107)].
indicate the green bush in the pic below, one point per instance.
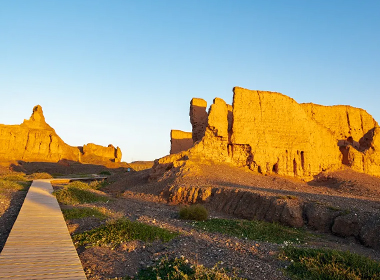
[(195, 212), (71, 195), (105, 173), (181, 269), (78, 213), (254, 230), (329, 265), (122, 230)]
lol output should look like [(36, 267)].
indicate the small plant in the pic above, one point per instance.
[(254, 230), (72, 195), (105, 173), (195, 212), (328, 264), (120, 231), (181, 269), (78, 213)]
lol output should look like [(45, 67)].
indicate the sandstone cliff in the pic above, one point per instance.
[(269, 132), (180, 141), (35, 140)]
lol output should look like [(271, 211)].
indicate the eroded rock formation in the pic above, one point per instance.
[(35, 140), (180, 141), (198, 118), (271, 133)]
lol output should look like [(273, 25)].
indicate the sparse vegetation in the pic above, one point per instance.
[(41, 175), (181, 269), (77, 193), (329, 265), (254, 230), (105, 173), (82, 212), (15, 177), (7, 187), (195, 212), (122, 230)]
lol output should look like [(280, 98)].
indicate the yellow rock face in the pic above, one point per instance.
[(198, 118), (342, 121), (282, 137), (272, 133), (180, 141), (35, 140)]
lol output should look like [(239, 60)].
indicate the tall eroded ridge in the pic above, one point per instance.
[(269, 132), (35, 140)]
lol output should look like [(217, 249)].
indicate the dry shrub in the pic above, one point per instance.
[(195, 212)]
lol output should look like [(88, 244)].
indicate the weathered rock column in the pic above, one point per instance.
[(198, 118)]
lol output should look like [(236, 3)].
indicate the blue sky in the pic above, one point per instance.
[(124, 72)]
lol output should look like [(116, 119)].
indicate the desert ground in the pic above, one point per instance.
[(136, 196)]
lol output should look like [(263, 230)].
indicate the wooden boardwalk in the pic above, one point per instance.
[(39, 245)]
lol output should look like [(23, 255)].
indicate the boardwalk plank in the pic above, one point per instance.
[(39, 245)]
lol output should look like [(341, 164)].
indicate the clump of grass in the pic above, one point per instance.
[(120, 231), (40, 175), (180, 268), (254, 230), (7, 187), (15, 177), (97, 185), (72, 195), (195, 212), (105, 173), (83, 212), (329, 264)]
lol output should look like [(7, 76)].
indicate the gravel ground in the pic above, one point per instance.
[(138, 199)]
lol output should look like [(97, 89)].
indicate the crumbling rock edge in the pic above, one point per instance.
[(286, 210)]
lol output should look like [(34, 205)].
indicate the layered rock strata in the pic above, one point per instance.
[(271, 133), (34, 140)]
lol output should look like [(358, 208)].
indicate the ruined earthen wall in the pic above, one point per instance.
[(218, 118), (342, 121), (180, 141), (282, 137), (198, 118)]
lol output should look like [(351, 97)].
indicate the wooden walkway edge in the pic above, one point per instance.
[(39, 245)]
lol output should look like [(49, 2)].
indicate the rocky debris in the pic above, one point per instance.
[(36, 141), (180, 141), (269, 132)]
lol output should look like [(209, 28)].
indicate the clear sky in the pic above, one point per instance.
[(124, 72)]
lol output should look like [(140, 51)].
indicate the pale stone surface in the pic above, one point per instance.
[(198, 118), (180, 141), (35, 140)]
